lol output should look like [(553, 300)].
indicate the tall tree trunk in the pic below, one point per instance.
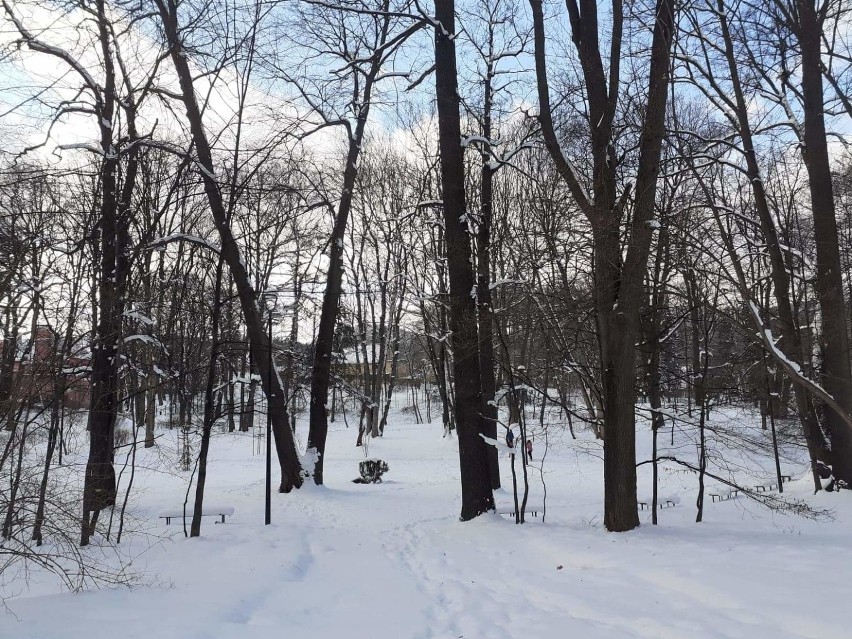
[(209, 406), (321, 375), (483, 286), (837, 375), (477, 497), (790, 341), (99, 489), (656, 311), (618, 287), (285, 445)]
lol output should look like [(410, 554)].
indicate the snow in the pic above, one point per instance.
[(503, 281), (246, 379), (392, 560), (793, 368), (140, 317), (145, 339), (184, 237), (466, 140)]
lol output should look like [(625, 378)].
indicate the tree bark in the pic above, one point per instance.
[(618, 287), (477, 497), (321, 375), (285, 445), (483, 289), (209, 406), (790, 336), (837, 375)]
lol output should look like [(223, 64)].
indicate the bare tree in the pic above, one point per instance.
[(477, 497), (618, 280), (358, 40), (288, 457)]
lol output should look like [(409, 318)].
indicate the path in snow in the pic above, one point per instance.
[(391, 561)]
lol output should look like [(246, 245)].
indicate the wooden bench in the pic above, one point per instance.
[(206, 511), (771, 483), (534, 510), (723, 493), (662, 502)]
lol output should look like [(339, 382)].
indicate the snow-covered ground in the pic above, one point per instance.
[(392, 561)]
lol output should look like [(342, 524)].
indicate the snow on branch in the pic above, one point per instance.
[(182, 237), (145, 339), (792, 368), (478, 139), (502, 447), (505, 280), (140, 317), (42, 47), (433, 21), (86, 146)]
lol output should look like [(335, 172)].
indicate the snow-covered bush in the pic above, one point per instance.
[(371, 471)]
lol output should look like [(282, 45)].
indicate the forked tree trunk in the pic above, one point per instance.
[(618, 286), (321, 375)]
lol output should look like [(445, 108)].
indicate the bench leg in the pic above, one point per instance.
[(223, 519), (168, 521)]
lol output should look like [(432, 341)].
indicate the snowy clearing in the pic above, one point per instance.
[(392, 560)]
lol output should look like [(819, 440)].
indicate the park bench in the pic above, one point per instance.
[(723, 493), (206, 511), (662, 502), (770, 483), (533, 510)]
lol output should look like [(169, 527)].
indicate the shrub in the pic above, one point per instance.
[(371, 471)]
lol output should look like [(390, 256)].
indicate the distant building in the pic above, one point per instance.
[(34, 368), (351, 364)]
